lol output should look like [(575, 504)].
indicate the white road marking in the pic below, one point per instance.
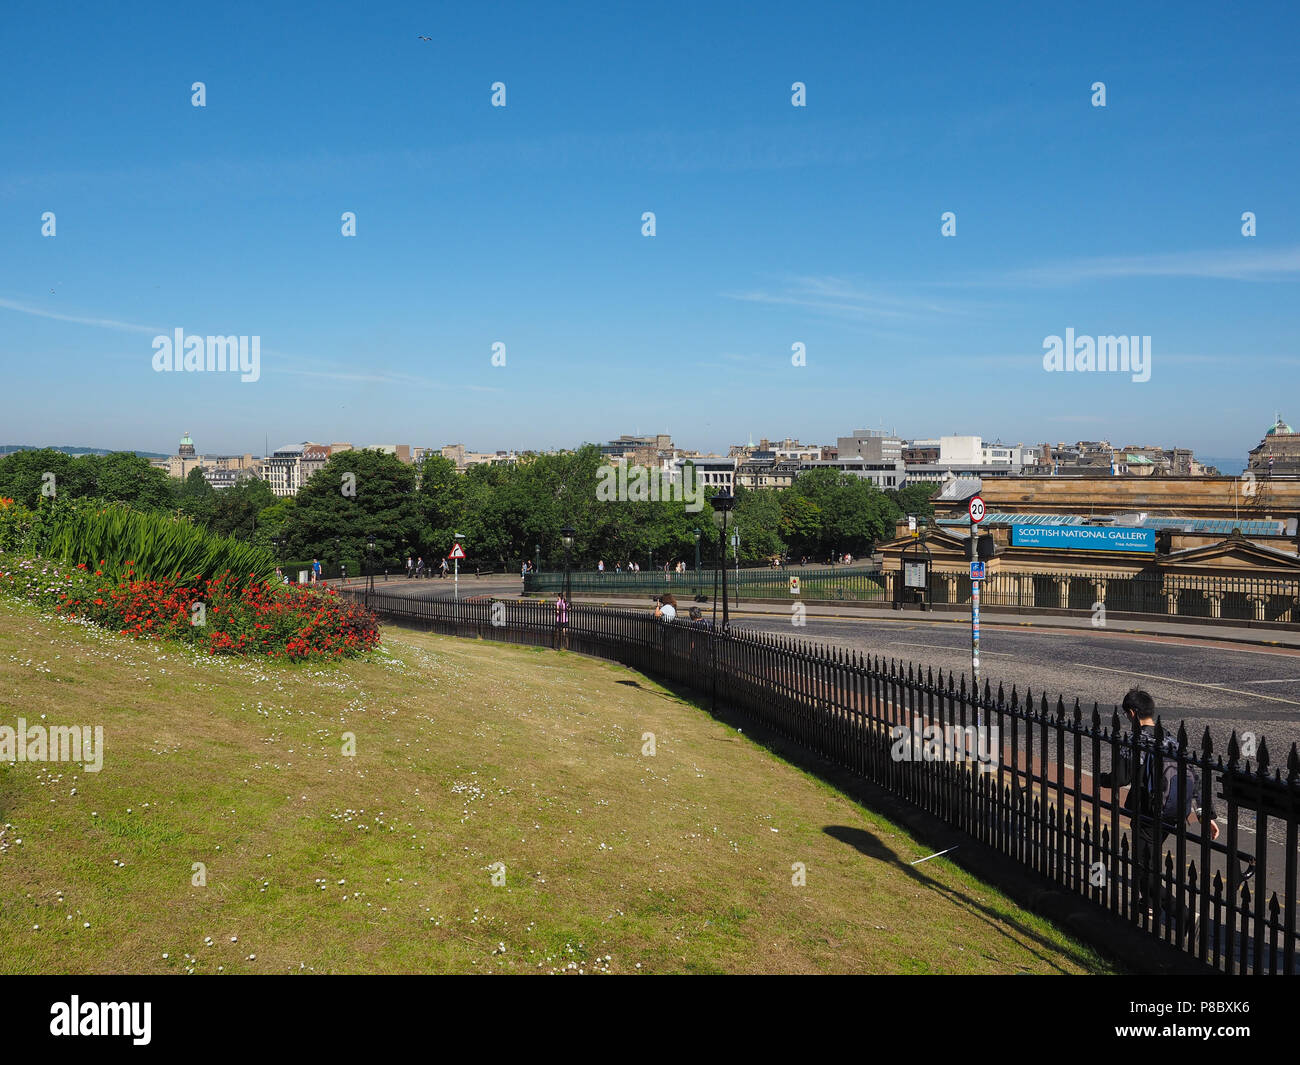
[(945, 647), (1188, 683)]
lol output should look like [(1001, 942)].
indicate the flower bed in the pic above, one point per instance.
[(217, 614)]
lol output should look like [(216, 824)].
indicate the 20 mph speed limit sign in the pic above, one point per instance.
[(976, 510)]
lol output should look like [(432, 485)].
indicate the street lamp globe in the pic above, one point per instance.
[(567, 536)]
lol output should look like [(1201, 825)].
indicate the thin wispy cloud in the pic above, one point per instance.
[(102, 323), (1264, 264), (857, 301)]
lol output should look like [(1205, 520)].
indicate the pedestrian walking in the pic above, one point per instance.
[(315, 569), (410, 566), (1153, 804), (561, 621), (442, 569)]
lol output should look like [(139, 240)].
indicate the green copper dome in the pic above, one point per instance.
[(1278, 427)]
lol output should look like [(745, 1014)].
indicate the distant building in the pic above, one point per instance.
[(1100, 458), (781, 449), (886, 476), (465, 459), (281, 469), (711, 471), (187, 460), (766, 471), (870, 445), (1278, 454)]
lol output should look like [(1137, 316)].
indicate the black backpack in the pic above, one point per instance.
[(1161, 798)]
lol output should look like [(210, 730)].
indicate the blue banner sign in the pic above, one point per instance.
[(1084, 537)]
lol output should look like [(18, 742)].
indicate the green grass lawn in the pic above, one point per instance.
[(467, 754)]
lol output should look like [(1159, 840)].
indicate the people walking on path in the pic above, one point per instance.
[(442, 568), (561, 621), (600, 566), (315, 569), (410, 566), (1153, 804)]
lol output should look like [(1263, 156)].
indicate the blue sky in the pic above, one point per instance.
[(522, 224)]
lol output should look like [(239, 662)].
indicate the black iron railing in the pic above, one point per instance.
[(1263, 599), (1027, 777), (860, 583)]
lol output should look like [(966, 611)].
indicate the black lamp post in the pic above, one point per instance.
[(370, 567), (537, 558), (338, 554), (696, 534), (566, 538), (721, 507)]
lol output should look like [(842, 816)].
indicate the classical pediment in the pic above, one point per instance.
[(942, 544), (1236, 552)]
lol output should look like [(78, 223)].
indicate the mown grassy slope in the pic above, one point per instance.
[(467, 754)]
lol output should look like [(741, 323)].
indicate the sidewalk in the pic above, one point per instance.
[(994, 617), (507, 587)]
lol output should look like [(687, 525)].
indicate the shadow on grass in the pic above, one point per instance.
[(869, 845)]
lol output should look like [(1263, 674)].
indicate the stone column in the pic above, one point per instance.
[(1062, 591), (1260, 603), (1216, 604), (951, 580)]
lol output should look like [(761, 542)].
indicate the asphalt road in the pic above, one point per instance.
[(1224, 687)]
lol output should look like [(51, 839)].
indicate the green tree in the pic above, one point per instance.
[(441, 504), (758, 513), (125, 477), (23, 474), (914, 498), (801, 524), (195, 497), (236, 511), (355, 496)]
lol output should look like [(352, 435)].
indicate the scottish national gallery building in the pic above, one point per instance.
[(1193, 547)]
